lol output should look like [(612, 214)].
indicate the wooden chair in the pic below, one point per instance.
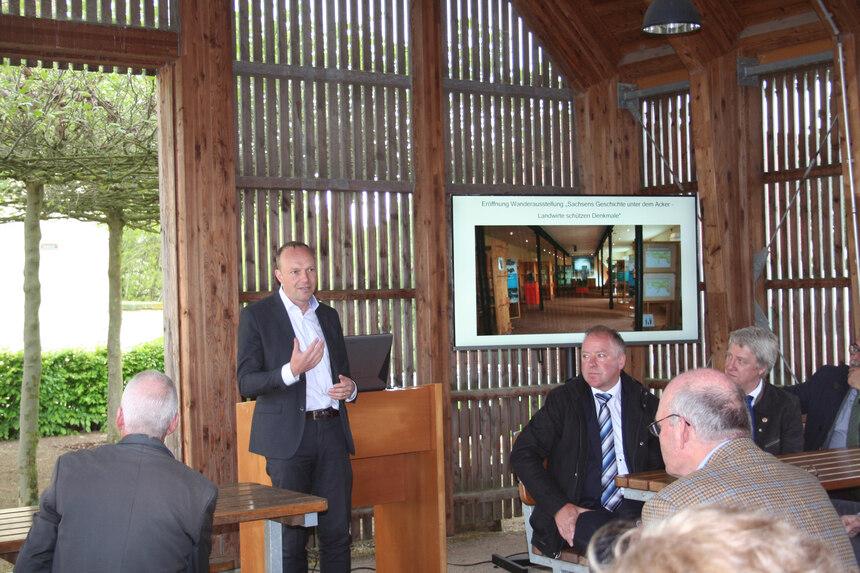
[(569, 561)]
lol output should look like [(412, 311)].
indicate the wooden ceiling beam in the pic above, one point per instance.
[(83, 43), (575, 38), (845, 14), (721, 27)]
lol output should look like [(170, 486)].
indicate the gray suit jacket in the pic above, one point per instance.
[(265, 345), (124, 507), (741, 475)]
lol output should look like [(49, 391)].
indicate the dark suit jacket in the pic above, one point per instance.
[(820, 399), (778, 423), (558, 433), (740, 475), (125, 507), (265, 345)]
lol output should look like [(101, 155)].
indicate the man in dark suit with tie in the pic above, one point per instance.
[(590, 429), (292, 360), (128, 506)]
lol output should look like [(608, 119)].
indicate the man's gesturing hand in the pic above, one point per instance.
[(565, 520), (301, 362), (343, 389)]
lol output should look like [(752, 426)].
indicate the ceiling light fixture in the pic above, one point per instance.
[(671, 17)]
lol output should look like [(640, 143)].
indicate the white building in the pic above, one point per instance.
[(73, 274)]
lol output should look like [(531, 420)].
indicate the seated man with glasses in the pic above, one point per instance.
[(704, 428), (830, 401), (590, 429)]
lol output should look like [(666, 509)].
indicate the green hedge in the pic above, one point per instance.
[(73, 391)]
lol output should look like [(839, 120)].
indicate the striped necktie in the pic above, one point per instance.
[(611, 495)]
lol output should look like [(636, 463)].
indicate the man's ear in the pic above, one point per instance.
[(685, 433), (120, 421), (172, 425)]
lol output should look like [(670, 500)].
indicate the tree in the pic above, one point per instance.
[(141, 266), (82, 145)]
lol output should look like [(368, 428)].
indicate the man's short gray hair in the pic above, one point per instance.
[(716, 410), (762, 343), (149, 404), (611, 333)]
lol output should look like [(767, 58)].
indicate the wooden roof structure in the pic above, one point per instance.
[(597, 44)]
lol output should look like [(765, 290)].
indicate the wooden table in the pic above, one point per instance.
[(836, 469), (237, 503)]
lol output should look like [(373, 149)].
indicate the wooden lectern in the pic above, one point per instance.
[(398, 468)]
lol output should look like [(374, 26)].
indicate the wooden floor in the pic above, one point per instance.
[(574, 314)]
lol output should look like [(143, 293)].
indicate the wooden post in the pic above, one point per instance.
[(723, 141), (200, 237), (850, 156), (432, 286)]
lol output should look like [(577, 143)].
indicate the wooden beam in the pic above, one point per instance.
[(727, 159), (432, 285), (200, 237), (849, 128), (83, 43), (721, 26), (844, 14)]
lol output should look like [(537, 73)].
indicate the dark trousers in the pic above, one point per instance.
[(320, 467), (627, 514), (849, 507)]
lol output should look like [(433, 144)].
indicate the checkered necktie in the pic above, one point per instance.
[(611, 495)]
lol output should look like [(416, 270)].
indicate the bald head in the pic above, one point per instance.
[(698, 410), (713, 404)]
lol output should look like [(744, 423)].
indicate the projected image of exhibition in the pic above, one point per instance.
[(563, 278), (543, 270)]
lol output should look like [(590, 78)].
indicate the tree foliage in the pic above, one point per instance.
[(80, 145), (141, 266)]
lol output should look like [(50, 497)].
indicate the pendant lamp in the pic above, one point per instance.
[(671, 17)]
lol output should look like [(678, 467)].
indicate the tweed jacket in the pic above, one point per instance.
[(558, 433), (741, 475), (820, 399), (778, 423)]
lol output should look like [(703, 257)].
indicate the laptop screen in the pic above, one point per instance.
[(369, 356)]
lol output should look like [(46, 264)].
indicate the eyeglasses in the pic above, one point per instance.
[(654, 427), (854, 348)]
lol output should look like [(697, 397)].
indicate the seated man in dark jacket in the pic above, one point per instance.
[(575, 492), (827, 400), (128, 506), (777, 423)]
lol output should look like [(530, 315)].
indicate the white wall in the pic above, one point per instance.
[(73, 274)]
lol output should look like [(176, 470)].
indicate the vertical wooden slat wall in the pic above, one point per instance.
[(666, 127), (118, 12), (510, 130), (807, 278)]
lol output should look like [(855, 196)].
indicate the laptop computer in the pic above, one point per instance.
[(369, 357)]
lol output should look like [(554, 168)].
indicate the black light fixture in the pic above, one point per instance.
[(671, 17)]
